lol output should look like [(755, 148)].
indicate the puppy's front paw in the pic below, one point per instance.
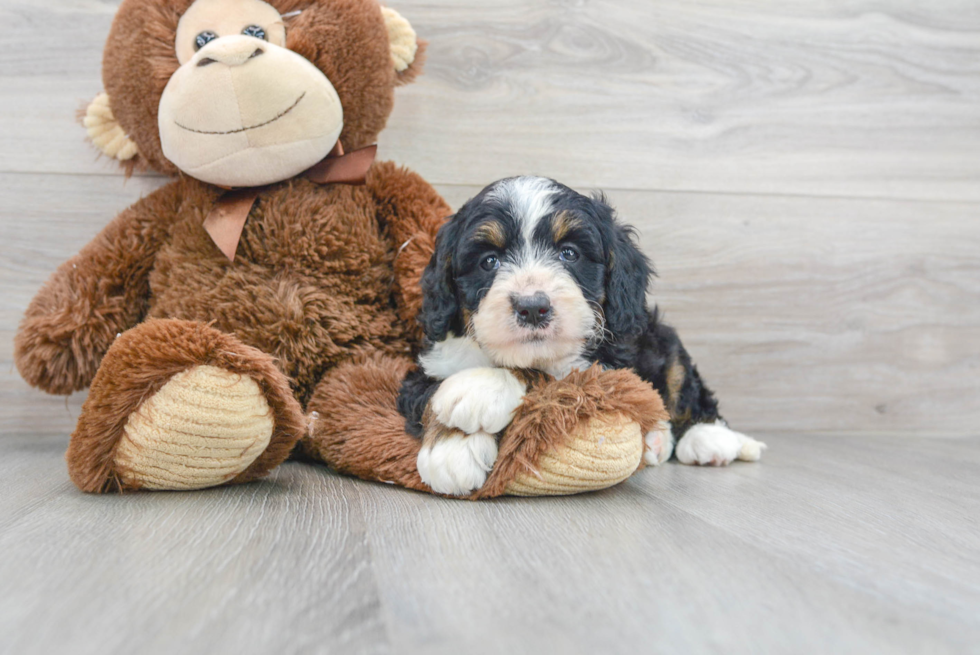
[(658, 444), (458, 464), (715, 444), (478, 399)]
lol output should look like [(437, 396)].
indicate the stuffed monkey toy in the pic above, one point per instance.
[(267, 296)]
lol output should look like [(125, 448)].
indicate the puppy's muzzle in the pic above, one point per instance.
[(533, 311)]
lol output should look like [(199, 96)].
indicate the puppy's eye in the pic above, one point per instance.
[(254, 30), (568, 254), (204, 38), (490, 263)]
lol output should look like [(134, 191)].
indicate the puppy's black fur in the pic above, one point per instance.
[(610, 271)]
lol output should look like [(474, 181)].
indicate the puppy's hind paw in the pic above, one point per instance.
[(658, 444), (751, 450), (715, 444), (459, 464)]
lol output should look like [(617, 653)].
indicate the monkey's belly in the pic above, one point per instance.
[(308, 322)]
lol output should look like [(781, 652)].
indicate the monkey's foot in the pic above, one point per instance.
[(204, 427), (715, 444), (179, 405), (582, 433), (602, 452)]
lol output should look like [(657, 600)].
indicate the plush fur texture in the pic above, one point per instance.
[(346, 39), (319, 305), (359, 430), (552, 409), (530, 273), (334, 292), (144, 359), (323, 274), (356, 427), (92, 297)]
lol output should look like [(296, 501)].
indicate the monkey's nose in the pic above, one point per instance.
[(230, 51), (532, 311)]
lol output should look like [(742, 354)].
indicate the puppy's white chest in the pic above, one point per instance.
[(560, 370), (457, 354), (453, 355)]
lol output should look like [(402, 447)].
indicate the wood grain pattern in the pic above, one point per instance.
[(232, 571), (851, 315), (869, 550), (806, 177), (805, 314), (836, 98)]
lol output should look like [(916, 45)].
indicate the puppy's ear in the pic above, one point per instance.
[(627, 277), (440, 307)]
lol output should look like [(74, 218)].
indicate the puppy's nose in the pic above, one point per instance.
[(532, 311)]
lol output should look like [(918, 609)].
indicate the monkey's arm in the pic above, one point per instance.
[(98, 293), (413, 212)]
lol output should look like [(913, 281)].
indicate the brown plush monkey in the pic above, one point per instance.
[(268, 294)]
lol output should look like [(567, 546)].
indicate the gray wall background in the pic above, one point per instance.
[(806, 177)]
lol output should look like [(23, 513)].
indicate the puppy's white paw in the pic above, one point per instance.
[(478, 399), (715, 444), (658, 444), (458, 464), (751, 450)]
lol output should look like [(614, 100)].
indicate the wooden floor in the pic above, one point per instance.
[(834, 545), (806, 177)]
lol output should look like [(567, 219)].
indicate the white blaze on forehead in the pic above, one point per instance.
[(529, 200)]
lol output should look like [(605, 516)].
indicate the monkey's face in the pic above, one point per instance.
[(248, 92), (242, 109)]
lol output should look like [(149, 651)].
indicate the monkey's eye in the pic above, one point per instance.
[(254, 30), (490, 263), (568, 254), (203, 39)]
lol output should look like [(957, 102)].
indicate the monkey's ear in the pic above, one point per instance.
[(105, 132), (407, 51), (440, 308)]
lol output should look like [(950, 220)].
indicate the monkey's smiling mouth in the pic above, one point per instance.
[(251, 127)]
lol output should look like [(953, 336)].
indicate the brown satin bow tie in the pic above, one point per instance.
[(226, 220)]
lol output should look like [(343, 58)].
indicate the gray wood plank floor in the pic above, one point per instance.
[(835, 545), (806, 177)]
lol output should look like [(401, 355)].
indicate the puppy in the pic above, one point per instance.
[(531, 275)]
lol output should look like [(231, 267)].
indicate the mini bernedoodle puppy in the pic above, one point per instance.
[(530, 274)]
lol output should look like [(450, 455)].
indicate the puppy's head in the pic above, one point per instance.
[(534, 273)]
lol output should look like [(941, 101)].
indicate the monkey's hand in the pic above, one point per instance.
[(95, 295)]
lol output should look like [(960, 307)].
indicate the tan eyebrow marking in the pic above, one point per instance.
[(491, 232), (562, 224)]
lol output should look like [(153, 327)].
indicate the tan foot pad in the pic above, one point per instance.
[(602, 452), (203, 428)]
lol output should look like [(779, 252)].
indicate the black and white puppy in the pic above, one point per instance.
[(530, 274)]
